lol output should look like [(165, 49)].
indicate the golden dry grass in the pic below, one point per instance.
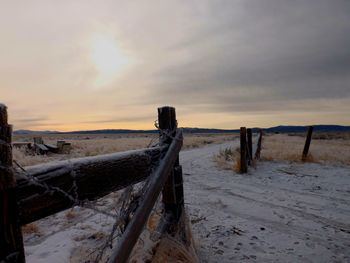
[(70, 214), (281, 147), (90, 145), (227, 158), (31, 228), (172, 251), (328, 148)]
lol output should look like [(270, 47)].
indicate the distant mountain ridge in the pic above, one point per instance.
[(317, 128), (276, 129)]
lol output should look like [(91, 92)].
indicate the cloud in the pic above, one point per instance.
[(235, 57), (122, 119), (262, 51)]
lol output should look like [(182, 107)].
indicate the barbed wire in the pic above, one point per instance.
[(130, 198), (168, 133)]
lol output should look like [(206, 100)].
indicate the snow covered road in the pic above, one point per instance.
[(279, 212)]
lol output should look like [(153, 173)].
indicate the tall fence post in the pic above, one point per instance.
[(258, 147), (11, 241), (307, 143), (250, 145), (173, 194), (243, 149)]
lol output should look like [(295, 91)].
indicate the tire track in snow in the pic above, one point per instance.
[(249, 201)]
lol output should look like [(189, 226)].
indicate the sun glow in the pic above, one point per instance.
[(108, 59)]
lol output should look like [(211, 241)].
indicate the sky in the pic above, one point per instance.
[(81, 65)]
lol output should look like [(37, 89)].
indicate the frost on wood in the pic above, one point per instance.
[(83, 178)]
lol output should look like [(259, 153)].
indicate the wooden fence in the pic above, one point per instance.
[(307, 143), (247, 153), (41, 190)]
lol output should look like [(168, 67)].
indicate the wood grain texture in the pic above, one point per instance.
[(11, 242), (93, 177)]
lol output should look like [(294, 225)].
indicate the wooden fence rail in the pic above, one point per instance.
[(93, 177), (138, 221), (43, 190)]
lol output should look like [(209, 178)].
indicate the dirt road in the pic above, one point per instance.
[(279, 212)]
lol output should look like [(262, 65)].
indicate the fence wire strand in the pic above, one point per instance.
[(130, 198)]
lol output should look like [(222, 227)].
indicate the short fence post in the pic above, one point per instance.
[(307, 143), (243, 146), (173, 197), (250, 145), (11, 241)]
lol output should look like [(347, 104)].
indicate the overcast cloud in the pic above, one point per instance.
[(251, 60)]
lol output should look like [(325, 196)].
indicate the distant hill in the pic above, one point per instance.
[(25, 132), (317, 128), (276, 129)]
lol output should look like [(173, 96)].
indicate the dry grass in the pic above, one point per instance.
[(171, 250), (325, 135), (281, 147), (328, 148), (199, 140), (31, 228), (90, 145), (227, 158), (70, 214)]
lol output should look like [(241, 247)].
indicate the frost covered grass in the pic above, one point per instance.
[(228, 158), (90, 145), (324, 148)]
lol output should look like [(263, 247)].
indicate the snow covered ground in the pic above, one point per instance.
[(278, 212)]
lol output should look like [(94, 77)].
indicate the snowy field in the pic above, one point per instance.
[(279, 212)]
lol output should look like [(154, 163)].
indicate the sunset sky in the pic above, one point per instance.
[(72, 65)]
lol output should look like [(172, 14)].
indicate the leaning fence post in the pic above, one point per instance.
[(243, 149), (307, 143), (173, 197), (250, 145), (11, 242)]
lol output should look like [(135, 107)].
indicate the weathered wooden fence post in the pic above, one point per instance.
[(243, 149), (307, 143), (258, 147), (250, 145), (11, 242), (173, 196)]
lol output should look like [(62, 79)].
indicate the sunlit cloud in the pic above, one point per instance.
[(221, 63), (108, 58)]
